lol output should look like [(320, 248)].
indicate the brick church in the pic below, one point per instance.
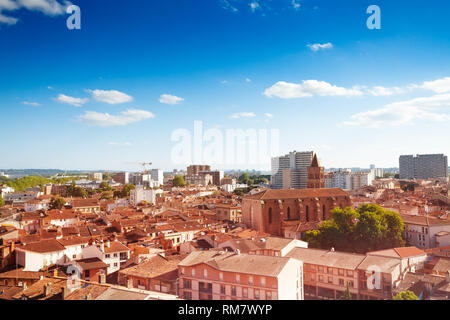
[(289, 213)]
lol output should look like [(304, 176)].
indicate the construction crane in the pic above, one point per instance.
[(144, 164)]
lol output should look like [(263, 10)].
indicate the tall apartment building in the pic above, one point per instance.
[(123, 177), (348, 180), (291, 171), (423, 166), (196, 169)]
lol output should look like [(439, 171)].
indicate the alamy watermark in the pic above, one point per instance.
[(74, 21), (374, 21), (229, 147)]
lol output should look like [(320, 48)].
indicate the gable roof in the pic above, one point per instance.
[(273, 194)]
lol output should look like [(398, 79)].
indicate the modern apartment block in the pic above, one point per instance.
[(196, 169), (423, 166), (347, 180), (291, 171)]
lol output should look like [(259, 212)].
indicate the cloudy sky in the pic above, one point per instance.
[(112, 94)]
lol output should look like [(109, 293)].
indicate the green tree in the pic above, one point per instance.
[(369, 228), (57, 203), (107, 195), (126, 190), (406, 295), (104, 186), (178, 181), (2, 202), (347, 294)]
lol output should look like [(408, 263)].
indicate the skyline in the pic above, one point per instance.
[(113, 93)]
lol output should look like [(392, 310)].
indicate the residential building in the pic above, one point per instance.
[(425, 232), (291, 171), (219, 275), (423, 166), (196, 169)]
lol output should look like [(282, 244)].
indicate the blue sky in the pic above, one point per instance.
[(93, 98)]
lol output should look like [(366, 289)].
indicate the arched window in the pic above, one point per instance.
[(323, 213), (289, 213), (307, 213), (270, 215)]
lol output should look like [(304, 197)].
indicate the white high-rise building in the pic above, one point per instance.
[(157, 176), (291, 171)]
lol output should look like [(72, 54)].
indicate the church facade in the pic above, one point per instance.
[(289, 213)]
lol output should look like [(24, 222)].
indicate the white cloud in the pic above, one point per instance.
[(226, 4), (254, 5), (308, 88), (382, 91), (33, 104), (296, 4), (224, 81), (404, 112), (77, 102), (243, 115), (110, 96), (170, 99), (317, 46), (47, 7), (268, 115), (107, 120), (438, 86), (248, 80)]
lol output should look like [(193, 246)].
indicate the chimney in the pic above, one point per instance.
[(48, 289), (237, 251), (108, 244)]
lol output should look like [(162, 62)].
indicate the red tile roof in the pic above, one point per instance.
[(271, 194)]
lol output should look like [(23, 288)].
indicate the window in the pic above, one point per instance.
[(321, 279), (320, 269), (182, 270), (233, 291), (115, 255), (193, 272), (107, 256), (256, 294), (115, 264), (250, 280), (268, 295), (330, 270), (349, 273), (74, 256), (307, 213), (330, 279), (350, 284), (187, 284), (312, 278), (341, 272), (270, 215), (222, 289), (341, 282), (205, 273), (263, 281), (187, 295), (289, 213), (245, 292), (238, 278), (221, 276)]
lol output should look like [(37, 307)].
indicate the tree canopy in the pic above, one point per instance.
[(178, 181), (2, 202), (368, 228), (57, 203), (406, 295), (21, 184)]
